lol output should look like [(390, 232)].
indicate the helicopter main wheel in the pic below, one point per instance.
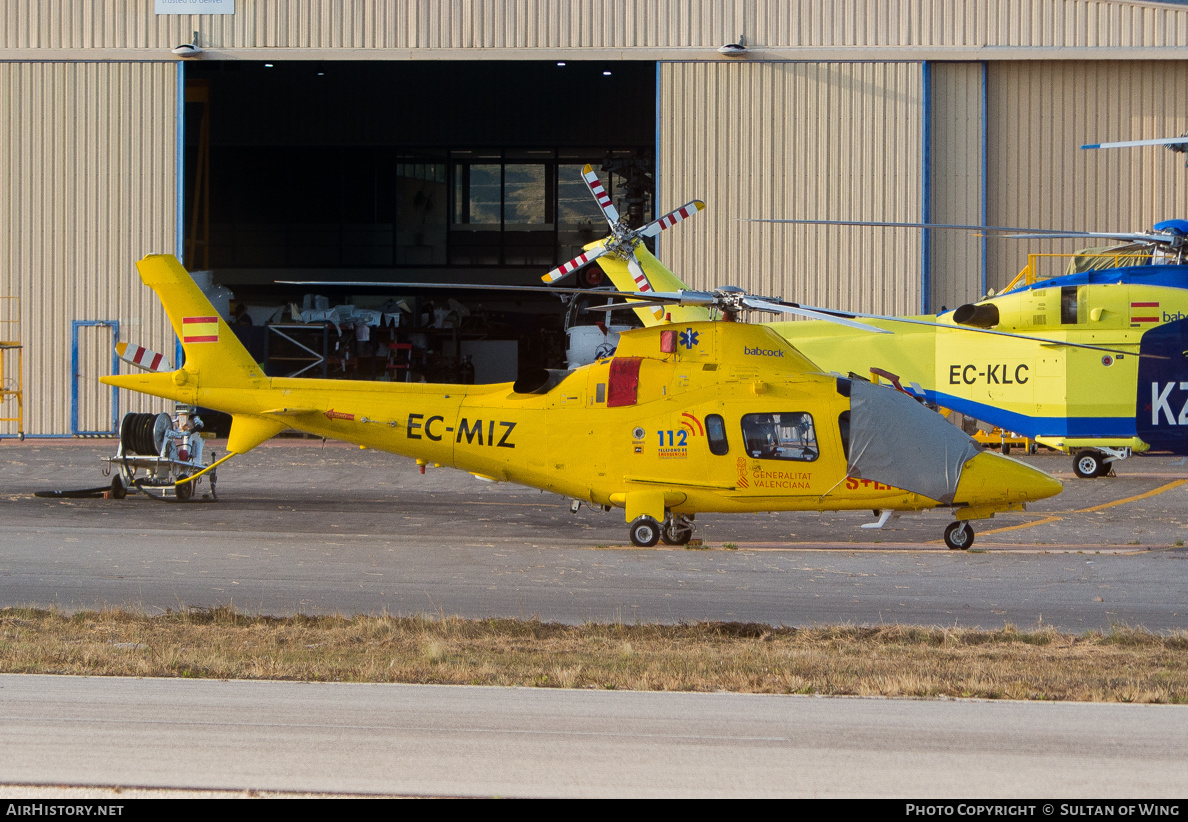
[(676, 531), (118, 491), (185, 490), (645, 532), (1089, 464), (1006, 449), (959, 536)]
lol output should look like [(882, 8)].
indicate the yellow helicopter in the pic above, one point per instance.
[(684, 418), (1085, 362)]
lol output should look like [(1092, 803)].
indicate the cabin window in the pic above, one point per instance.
[(782, 436), (715, 432)]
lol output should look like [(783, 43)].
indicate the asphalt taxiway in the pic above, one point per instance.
[(465, 741), (309, 527)]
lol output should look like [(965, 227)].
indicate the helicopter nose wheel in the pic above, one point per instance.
[(959, 536), (645, 532), (676, 530)]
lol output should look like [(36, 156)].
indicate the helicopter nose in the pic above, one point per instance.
[(989, 478)]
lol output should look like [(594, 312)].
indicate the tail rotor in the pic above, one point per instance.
[(623, 240)]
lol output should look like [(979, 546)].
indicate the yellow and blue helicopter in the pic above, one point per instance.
[(1086, 362), (684, 418)]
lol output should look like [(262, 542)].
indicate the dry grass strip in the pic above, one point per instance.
[(1122, 665)]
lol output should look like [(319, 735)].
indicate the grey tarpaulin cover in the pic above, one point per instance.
[(897, 441)]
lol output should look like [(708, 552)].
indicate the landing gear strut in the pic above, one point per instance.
[(676, 530)]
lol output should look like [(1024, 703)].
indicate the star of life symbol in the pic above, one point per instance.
[(689, 338)]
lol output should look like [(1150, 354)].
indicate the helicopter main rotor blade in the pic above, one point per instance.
[(565, 269), (1094, 235), (1017, 233), (633, 304), (880, 224), (671, 218), (604, 201), (780, 308), (541, 289), (1161, 141)]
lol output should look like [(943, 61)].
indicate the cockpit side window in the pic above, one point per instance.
[(715, 432), (782, 436), (843, 427)]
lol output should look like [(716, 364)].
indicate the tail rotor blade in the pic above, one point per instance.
[(604, 200), (637, 274), (671, 218), (141, 357), (565, 269)]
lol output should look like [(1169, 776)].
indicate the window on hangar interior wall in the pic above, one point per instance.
[(532, 208), (312, 165)]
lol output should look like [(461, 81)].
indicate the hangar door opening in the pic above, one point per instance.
[(424, 172)]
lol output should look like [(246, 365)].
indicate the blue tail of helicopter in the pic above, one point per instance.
[(1161, 407)]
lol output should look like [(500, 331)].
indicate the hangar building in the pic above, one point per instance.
[(423, 141)]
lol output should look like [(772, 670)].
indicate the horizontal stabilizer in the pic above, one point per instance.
[(156, 383)]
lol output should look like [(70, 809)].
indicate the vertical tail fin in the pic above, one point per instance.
[(660, 278), (211, 348)]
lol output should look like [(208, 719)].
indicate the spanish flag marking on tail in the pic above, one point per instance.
[(200, 329)]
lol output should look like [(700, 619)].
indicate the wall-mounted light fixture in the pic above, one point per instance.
[(190, 49), (734, 49)]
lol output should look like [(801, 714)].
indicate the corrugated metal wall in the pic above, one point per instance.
[(956, 160), (88, 153), (1028, 23), (89, 167), (596, 24), (1040, 115), (803, 141)]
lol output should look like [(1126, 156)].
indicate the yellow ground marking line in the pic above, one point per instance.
[(1043, 521), (1154, 492)]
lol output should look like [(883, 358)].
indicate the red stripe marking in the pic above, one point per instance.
[(1144, 319), (140, 352), (200, 339), (156, 362), (199, 320), (1144, 305)]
